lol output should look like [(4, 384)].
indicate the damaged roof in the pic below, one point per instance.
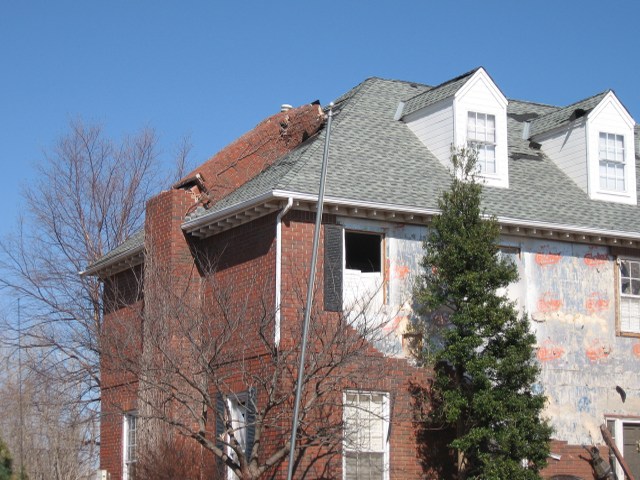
[(374, 158), (563, 116)]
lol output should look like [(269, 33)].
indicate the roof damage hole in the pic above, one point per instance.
[(363, 251)]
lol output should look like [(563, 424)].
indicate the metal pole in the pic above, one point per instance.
[(307, 310), (20, 391)]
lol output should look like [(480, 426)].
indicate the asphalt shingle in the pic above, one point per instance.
[(374, 158)]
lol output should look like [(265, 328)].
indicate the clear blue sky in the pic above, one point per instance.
[(212, 70)]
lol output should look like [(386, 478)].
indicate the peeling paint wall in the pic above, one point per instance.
[(571, 298), (569, 292)]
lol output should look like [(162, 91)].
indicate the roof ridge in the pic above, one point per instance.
[(556, 118), (531, 102), (459, 77), (580, 101), (351, 101)]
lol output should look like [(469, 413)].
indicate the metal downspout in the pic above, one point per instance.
[(277, 315)]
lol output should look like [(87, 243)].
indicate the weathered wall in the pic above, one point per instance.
[(569, 291)]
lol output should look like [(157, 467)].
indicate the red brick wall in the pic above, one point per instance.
[(369, 370), (120, 344), (574, 460), (245, 258)]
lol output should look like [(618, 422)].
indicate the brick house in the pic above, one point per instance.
[(560, 180)]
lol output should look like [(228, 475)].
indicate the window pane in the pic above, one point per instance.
[(630, 314), (625, 285), (365, 442), (624, 268)]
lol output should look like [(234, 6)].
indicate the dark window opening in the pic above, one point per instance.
[(363, 251)]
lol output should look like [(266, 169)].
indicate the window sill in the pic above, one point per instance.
[(628, 334)]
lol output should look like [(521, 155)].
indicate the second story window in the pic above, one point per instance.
[(611, 157), (481, 135), (629, 296)]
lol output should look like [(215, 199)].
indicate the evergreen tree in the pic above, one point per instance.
[(485, 367), (6, 462)]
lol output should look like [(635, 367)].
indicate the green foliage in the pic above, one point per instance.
[(6, 462), (485, 367)]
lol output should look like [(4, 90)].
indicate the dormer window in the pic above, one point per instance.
[(611, 156), (481, 135)]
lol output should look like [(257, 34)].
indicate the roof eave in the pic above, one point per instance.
[(272, 201), (119, 263)]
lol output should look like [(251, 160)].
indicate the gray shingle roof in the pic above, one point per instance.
[(131, 244), (435, 94), (374, 158), (565, 115)]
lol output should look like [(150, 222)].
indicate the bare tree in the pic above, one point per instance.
[(87, 197), (206, 372), (50, 433)]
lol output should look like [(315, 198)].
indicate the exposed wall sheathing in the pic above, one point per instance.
[(569, 292)]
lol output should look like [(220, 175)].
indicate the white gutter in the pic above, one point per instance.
[(346, 202), (225, 212), (121, 257), (389, 207), (282, 213), (531, 224)]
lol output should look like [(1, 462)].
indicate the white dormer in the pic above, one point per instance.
[(468, 110), (592, 141), (611, 152)]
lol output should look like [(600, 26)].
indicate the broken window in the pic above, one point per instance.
[(363, 279), (363, 251)]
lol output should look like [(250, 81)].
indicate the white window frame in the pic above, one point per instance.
[(237, 405), (128, 419), (612, 160), (483, 142), (384, 427), (628, 323), (618, 437), (371, 291)]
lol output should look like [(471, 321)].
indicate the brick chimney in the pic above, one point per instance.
[(254, 151)]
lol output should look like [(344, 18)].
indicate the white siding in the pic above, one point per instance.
[(434, 128), (482, 96), (610, 117), (567, 149)]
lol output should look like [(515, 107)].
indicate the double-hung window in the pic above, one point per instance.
[(235, 416), (129, 444), (629, 295), (611, 157), (366, 427), (481, 135)]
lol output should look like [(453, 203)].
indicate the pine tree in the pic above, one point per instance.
[(6, 462), (485, 368)]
